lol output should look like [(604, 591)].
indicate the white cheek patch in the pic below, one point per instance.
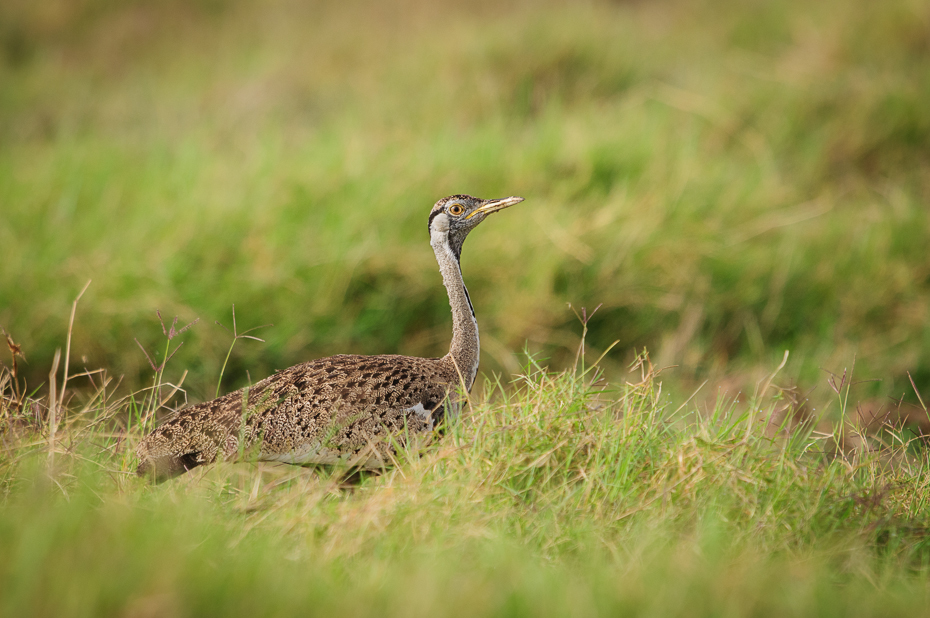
[(440, 224)]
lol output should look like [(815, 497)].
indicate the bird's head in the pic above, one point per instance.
[(453, 217)]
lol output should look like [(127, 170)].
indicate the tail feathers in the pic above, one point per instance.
[(194, 438), (168, 466)]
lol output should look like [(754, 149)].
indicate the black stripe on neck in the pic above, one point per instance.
[(470, 306), (458, 261)]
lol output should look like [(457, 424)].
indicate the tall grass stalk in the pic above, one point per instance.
[(236, 337)]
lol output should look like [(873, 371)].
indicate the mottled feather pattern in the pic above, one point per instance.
[(334, 409)]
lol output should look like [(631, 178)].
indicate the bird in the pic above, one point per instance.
[(347, 409)]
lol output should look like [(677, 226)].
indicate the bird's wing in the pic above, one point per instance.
[(336, 408)]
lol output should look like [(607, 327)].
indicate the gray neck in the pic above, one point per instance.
[(465, 347)]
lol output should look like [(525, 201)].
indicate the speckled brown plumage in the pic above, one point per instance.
[(342, 409)]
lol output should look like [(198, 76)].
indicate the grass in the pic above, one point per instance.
[(726, 180), (556, 494)]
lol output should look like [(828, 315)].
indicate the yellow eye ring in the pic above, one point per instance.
[(456, 209)]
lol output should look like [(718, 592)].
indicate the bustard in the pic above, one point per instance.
[(346, 408)]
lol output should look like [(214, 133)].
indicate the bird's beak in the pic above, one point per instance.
[(495, 205)]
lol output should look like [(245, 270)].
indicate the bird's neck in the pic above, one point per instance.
[(465, 348)]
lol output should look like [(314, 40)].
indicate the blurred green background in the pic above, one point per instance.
[(728, 179)]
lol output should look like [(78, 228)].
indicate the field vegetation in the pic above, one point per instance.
[(724, 181)]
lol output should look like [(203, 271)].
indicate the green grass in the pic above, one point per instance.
[(556, 495), (727, 180)]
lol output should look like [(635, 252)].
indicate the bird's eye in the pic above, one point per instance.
[(456, 209)]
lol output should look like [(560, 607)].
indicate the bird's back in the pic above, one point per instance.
[(344, 408)]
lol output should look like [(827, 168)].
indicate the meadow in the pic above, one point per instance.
[(724, 181)]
